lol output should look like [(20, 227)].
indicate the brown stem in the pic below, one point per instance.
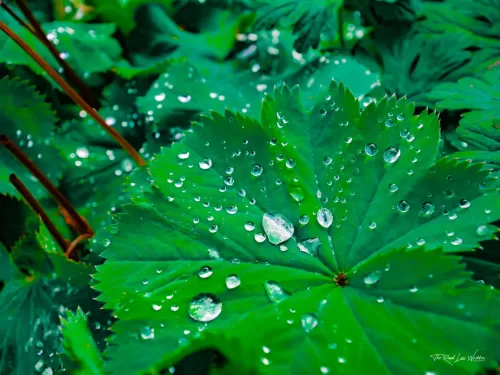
[(75, 243), (35, 206), (74, 95), (82, 225), (40, 34), (17, 18)]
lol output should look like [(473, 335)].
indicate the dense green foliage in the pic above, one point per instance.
[(321, 193)]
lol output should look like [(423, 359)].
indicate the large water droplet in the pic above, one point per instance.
[(205, 164), (391, 155), (325, 217), (275, 292), (232, 281), (205, 307), (277, 227), (371, 149), (372, 277), (309, 322), (309, 246)]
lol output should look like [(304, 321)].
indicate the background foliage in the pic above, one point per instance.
[(403, 147)]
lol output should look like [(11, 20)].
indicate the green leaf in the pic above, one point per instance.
[(88, 48), (379, 12), (480, 96), (28, 121), (36, 288), (310, 20), (304, 242), (187, 89), (79, 344)]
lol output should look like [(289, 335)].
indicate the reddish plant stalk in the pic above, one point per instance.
[(82, 225), (38, 32), (74, 96), (17, 18), (35, 206), (74, 244)]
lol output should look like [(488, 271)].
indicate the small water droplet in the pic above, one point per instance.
[(482, 230), (427, 208), (372, 277), (232, 281), (457, 241), (205, 272), (183, 155), (290, 163), (231, 210), (297, 193), (304, 219), (147, 333), (327, 160), (275, 292), (160, 97), (413, 289), (156, 307), (205, 307), (464, 203), (257, 170), (372, 225), (391, 155), (324, 370), (403, 206), (309, 322), (389, 123), (249, 226), (371, 149), (309, 246), (325, 217), (277, 227), (341, 360), (205, 164), (393, 188), (259, 237)]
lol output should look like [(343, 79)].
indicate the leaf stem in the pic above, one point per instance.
[(74, 95), (75, 243), (35, 206), (82, 225), (37, 30), (17, 18)]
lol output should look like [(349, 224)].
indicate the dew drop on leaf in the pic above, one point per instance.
[(232, 281), (156, 307), (372, 225), (231, 210), (393, 188), (482, 230), (205, 307), (309, 246), (297, 193), (372, 277), (428, 208), (290, 163), (259, 237), (249, 226), (389, 123), (160, 97), (183, 155), (341, 360), (277, 227), (274, 291), (257, 170), (205, 272), (371, 149), (147, 333), (325, 217), (413, 289), (464, 203), (403, 206), (309, 322), (205, 164), (391, 155), (457, 241)]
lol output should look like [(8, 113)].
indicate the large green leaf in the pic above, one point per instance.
[(311, 241), (28, 121), (310, 20), (36, 288), (188, 89)]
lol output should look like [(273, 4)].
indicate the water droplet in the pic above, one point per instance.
[(457, 241), (323, 112), (232, 281), (325, 217), (257, 170), (259, 237), (341, 360), (324, 370), (205, 272), (160, 97), (464, 203), (290, 163), (249, 226), (380, 299), (393, 188), (372, 225), (275, 292), (266, 350), (229, 181), (297, 193), (205, 164), (327, 160), (277, 227), (389, 123), (309, 322), (82, 152), (265, 361), (372, 277), (156, 307), (309, 246), (391, 154), (183, 155), (413, 289), (371, 149), (482, 230), (420, 242), (184, 99), (213, 228), (231, 210), (205, 307), (403, 206), (147, 333), (348, 140), (304, 219), (428, 208)]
